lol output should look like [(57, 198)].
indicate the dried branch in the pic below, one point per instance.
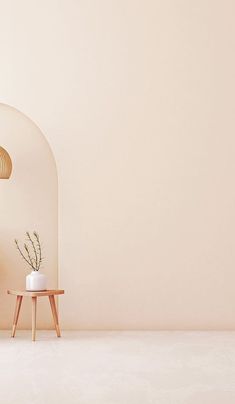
[(29, 256), (34, 249), (21, 253), (39, 249), (35, 263)]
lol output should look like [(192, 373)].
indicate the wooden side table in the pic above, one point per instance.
[(34, 295)]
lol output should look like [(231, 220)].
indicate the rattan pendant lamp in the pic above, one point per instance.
[(5, 164)]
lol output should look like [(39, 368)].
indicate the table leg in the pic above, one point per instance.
[(16, 315), (34, 312), (55, 314)]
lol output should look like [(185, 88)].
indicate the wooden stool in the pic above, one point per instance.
[(34, 295)]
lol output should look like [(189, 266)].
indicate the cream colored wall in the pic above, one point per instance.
[(28, 202), (136, 99)]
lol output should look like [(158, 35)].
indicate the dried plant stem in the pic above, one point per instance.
[(28, 253), (39, 249), (22, 255), (35, 263), (34, 249)]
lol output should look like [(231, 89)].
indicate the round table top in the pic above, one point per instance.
[(30, 293)]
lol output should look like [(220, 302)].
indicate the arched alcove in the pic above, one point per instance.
[(28, 201)]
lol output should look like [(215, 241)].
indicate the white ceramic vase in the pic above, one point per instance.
[(36, 281)]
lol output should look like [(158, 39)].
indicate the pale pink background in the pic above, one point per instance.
[(137, 101)]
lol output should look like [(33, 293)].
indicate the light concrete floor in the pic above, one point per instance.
[(118, 368)]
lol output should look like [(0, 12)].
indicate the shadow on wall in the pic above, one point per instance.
[(28, 201)]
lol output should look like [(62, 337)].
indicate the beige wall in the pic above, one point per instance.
[(28, 202), (137, 101)]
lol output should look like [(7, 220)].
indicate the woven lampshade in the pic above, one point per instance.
[(5, 164)]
